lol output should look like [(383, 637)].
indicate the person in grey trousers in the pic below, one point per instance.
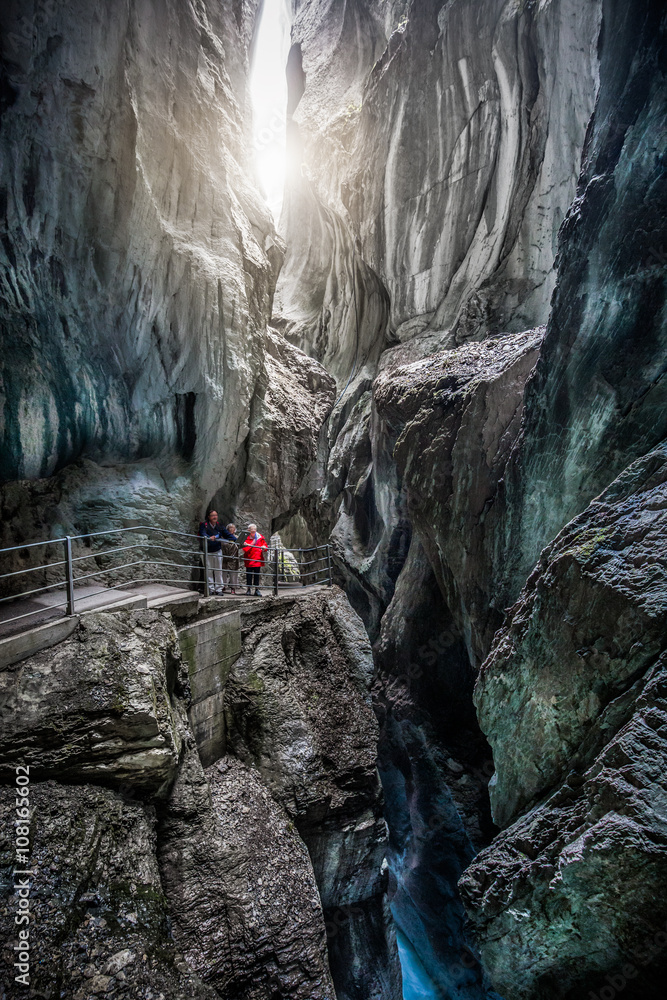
[(230, 558)]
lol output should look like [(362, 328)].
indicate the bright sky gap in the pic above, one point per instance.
[(268, 91)]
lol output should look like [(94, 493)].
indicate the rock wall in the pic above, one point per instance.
[(568, 900), (597, 400), (298, 710), (137, 269), (262, 874), (442, 143), (583, 646), (438, 146), (468, 440), (452, 138)]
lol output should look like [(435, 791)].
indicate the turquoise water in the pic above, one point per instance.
[(417, 985)]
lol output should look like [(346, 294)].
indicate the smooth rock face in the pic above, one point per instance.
[(97, 707), (137, 268), (298, 709), (572, 698), (127, 237), (432, 113), (291, 404), (452, 136)]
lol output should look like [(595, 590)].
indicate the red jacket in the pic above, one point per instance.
[(253, 551)]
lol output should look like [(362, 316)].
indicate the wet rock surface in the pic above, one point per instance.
[(100, 922), (469, 463), (588, 624), (597, 400), (247, 915), (435, 765), (444, 183), (263, 875), (98, 707), (298, 709), (584, 809), (584, 650), (396, 405)]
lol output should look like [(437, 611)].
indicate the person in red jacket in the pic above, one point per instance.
[(254, 548)]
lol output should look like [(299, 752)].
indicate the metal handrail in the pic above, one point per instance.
[(32, 545), (33, 569), (282, 573), (36, 590)]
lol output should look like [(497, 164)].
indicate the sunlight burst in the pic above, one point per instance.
[(268, 89)]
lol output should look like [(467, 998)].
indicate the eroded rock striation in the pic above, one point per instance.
[(137, 268), (448, 469), (481, 436)]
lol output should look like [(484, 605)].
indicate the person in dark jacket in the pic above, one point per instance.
[(254, 548), (217, 538), (230, 558), (213, 532)]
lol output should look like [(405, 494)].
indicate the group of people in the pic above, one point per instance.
[(223, 550)]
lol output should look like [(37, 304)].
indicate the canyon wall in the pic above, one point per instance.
[(435, 152), (262, 874), (580, 755), (141, 381), (137, 267), (439, 148), (400, 369), (452, 137)]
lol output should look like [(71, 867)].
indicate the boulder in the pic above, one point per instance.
[(246, 912), (589, 623), (98, 707), (298, 709), (572, 697)]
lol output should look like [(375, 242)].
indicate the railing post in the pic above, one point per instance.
[(275, 573), (206, 593), (329, 565), (303, 577), (69, 575)]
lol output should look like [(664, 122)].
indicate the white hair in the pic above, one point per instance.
[(252, 527)]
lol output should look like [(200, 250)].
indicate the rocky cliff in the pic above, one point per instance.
[(261, 875), (452, 137), (457, 138), (449, 360), (137, 268)]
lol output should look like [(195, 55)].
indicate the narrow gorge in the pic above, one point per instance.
[(387, 276)]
